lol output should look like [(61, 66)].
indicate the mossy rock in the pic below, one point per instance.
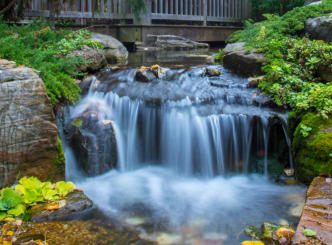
[(312, 152)]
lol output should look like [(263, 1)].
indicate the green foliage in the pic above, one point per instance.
[(305, 130), (292, 73), (60, 160), (76, 40), (37, 46), (28, 192), (277, 27), (260, 7)]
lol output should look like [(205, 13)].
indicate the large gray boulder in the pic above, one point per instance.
[(320, 28), (94, 58), (172, 42), (238, 59), (28, 133), (113, 50)]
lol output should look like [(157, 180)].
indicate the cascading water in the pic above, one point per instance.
[(186, 147)]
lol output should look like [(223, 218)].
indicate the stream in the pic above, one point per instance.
[(186, 159)]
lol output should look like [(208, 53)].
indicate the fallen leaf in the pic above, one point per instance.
[(252, 243), (55, 205)]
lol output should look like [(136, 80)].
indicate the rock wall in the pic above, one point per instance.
[(316, 214), (28, 133)]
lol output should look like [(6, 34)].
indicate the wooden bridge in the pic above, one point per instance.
[(214, 20)]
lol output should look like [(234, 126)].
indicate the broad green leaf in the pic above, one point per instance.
[(309, 232), (50, 194), (18, 210), (31, 183), (11, 198), (2, 215), (2, 206), (64, 188)]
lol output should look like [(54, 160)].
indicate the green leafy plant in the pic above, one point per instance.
[(305, 130), (36, 45), (293, 71), (15, 202)]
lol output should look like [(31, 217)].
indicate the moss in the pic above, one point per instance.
[(312, 153), (77, 122), (59, 160)]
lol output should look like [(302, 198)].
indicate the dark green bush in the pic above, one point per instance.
[(260, 7)]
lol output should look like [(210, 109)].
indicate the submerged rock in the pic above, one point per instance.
[(254, 81), (74, 206), (271, 233), (238, 59), (148, 74), (211, 72), (89, 232)]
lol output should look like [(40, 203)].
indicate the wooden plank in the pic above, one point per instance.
[(181, 7), (89, 5), (185, 6), (166, 6), (176, 6), (160, 6), (102, 6)]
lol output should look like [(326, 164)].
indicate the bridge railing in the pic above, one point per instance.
[(173, 10)]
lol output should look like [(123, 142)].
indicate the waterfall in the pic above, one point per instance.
[(190, 155), (186, 135)]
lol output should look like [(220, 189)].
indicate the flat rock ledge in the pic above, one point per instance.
[(77, 205), (317, 213), (171, 42), (241, 61)]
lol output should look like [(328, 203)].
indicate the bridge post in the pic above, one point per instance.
[(205, 12), (146, 17)]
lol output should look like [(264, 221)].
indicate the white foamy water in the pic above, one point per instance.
[(183, 170)]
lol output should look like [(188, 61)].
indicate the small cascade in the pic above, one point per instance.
[(183, 152), (177, 130)]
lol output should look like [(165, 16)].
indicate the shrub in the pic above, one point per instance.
[(37, 46), (292, 73), (259, 7)]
